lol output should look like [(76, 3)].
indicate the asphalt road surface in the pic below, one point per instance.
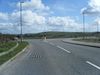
[(54, 57)]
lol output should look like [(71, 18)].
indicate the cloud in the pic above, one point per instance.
[(34, 5), (95, 4), (36, 17), (61, 23), (3, 16), (33, 18), (34, 13), (7, 28), (97, 20), (92, 8), (58, 20), (34, 22), (29, 17)]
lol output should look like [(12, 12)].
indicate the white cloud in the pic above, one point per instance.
[(29, 17), (66, 23), (34, 12), (33, 18), (95, 4), (3, 16), (7, 28), (34, 4), (92, 8), (97, 20), (36, 21)]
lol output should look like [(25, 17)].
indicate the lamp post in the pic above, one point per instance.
[(83, 25), (97, 30), (21, 32), (97, 27)]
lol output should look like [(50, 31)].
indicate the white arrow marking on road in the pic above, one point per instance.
[(93, 65), (64, 49)]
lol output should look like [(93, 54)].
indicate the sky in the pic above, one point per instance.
[(49, 15)]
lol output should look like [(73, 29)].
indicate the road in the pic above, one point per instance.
[(54, 57)]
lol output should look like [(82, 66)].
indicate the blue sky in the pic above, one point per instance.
[(48, 15), (72, 7)]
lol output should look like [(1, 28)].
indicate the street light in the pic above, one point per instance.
[(97, 27), (83, 25), (21, 34), (97, 30)]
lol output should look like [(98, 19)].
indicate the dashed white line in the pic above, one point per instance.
[(64, 49), (93, 65)]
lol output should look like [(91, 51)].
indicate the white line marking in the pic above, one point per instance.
[(45, 41), (51, 43), (93, 65), (64, 49)]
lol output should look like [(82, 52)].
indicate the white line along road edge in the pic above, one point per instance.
[(93, 65), (64, 49)]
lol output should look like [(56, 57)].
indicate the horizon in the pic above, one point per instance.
[(43, 32)]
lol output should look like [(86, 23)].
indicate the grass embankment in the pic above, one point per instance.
[(93, 40), (8, 56), (6, 46)]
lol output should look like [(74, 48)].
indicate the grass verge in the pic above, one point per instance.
[(8, 56), (91, 40), (6, 46)]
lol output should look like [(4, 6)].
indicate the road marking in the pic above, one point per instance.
[(51, 43), (48, 42), (64, 49), (45, 41), (93, 65)]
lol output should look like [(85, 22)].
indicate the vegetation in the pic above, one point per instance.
[(94, 40), (6, 37), (62, 35), (6, 46), (8, 56)]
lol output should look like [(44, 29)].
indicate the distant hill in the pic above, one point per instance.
[(61, 34), (51, 35)]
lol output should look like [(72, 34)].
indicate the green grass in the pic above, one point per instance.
[(6, 46), (93, 40), (8, 56)]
